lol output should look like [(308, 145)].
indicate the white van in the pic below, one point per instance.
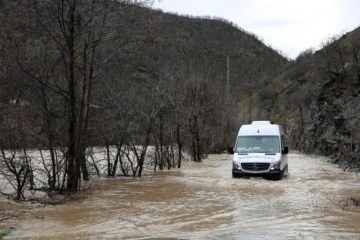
[(260, 150)]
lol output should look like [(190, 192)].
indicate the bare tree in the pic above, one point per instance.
[(147, 105), (15, 164), (197, 102), (334, 54), (354, 46), (79, 39)]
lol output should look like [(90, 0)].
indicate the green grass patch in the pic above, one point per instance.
[(7, 232), (2, 234)]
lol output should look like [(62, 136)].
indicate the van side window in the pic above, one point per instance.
[(282, 142)]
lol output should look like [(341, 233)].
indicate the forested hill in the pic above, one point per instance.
[(86, 81), (251, 60), (318, 100), (204, 44), (316, 97), (134, 52)]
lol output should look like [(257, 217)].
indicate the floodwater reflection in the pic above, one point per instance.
[(203, 201)]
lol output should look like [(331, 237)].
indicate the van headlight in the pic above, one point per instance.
[(276, 166), (236, 165)]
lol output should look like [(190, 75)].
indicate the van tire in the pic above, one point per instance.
[(286, 171), (235, 175), (282, 174)]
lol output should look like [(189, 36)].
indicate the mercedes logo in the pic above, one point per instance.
[(254, 166)]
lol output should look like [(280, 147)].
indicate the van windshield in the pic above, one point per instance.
[(258, 144)]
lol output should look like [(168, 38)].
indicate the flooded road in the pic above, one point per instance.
[(203, 201)]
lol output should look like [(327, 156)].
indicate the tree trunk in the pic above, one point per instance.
[(72, 177), (50, 136), (108, 160), (179, 145), (144, 147), (113, 172), (161, 137)]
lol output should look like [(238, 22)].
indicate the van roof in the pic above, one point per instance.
[(261, 128), (260, 122)]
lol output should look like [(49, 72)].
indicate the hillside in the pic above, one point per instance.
[(252, 64), (317, 99), (155, 71), (180, 47), (251, 61)]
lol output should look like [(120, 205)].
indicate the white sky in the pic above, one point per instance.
[(290, 26)]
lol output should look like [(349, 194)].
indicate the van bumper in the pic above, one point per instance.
[(240, 173)]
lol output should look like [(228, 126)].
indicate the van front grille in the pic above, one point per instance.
[(255, 166)]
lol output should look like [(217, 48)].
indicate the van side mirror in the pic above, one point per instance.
[(286, 150), (230, 150)]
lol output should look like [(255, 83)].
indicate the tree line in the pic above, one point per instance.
[(84, 78)]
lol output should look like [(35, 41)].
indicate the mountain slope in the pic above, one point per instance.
[(317, 99), (251, 60), (142, 57)]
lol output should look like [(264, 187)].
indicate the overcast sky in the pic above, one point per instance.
[(290, 26)]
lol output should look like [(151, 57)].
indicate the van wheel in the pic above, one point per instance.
[(280, 176), (286, 172)]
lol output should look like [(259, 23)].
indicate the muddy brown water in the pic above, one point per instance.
[(203, 201)]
